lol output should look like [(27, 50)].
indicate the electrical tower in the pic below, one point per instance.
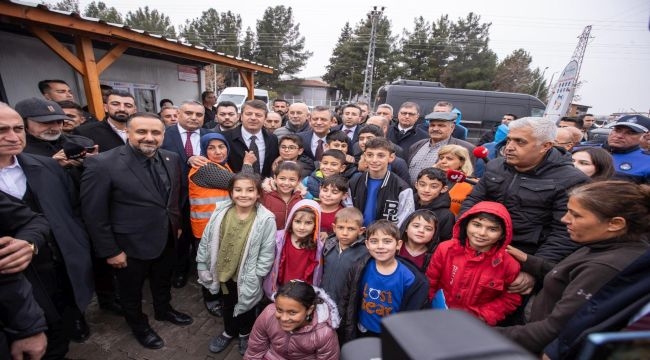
[(579, 52), (373, 16)]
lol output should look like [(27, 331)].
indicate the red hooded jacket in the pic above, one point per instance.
[(472, 281)]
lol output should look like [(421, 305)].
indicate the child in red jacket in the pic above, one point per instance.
[(473, 269)]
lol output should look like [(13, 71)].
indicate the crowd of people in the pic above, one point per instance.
[(306, 227)]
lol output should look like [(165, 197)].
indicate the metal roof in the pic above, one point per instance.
[(138, 31)]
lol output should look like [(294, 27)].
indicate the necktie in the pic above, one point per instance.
[(347, 132), (189, 150), (319, 150), (253, 147), (155, 177)]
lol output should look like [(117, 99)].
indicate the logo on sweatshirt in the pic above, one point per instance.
[(390, 210)]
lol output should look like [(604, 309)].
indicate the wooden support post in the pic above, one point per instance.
[(247, 79), (91, 76), (113, 54), (58, 48)]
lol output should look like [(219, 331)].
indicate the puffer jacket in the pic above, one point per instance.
[(476, 282), (316, 340), (536, 199), (271, 280), (274, 202), (257, 258)]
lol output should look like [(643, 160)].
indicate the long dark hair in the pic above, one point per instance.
[(616, 198), (602, 161), (299, 291)]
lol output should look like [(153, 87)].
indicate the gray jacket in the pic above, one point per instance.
[(257, 258)]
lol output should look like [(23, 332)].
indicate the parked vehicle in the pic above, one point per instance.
[(481, 109), (238, 95)]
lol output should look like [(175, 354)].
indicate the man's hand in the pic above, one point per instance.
[(15, 255), (249, 158), (362, 165), (517, 254), (523, 284), (63, 160), (118, 261), (34, 347), (197, 161)]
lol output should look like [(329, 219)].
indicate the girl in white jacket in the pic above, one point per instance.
[(236, 252)]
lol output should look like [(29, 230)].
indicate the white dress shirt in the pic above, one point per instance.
[(13, 180), (195, 138)]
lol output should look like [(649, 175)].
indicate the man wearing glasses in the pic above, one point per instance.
[(405, 133)]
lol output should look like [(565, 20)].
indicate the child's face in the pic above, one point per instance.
[(303, 224), (289, 150), (331, 195), (363, 139), (290, 313), (338, 145), (428, 189), (348, 231), (420, 231), (382, 247), (378, 159), (482, 234), (244, 193), (286, 181), (330, 165)]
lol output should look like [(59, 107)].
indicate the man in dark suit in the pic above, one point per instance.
[(264, 145), (62, 270), (351, 115), (189, 128), (129, 197), (406, 132), (111, 132), (22, 322), (313, 140)]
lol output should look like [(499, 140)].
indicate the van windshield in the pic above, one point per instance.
[(237, 99), (536, 112)]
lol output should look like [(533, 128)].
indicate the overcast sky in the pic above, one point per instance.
[(615, 70)]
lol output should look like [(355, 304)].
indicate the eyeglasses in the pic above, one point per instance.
[(404, 113), (289, 147)]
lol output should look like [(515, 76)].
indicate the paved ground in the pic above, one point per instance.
[(111, 338)]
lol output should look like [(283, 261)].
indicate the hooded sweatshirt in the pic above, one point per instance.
[(312, 266), (476, 282), (315, 340)]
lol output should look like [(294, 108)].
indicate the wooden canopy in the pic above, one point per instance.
[(42, 23)]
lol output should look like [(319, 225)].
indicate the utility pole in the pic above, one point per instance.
[(541, 80), (373, 16)]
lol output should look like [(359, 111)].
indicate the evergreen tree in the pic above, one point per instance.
[(513, 73), (99, 10), (439, 44), (341, 72), (279, 45), (346, 70), (216, 31), (416, 51), (66, 5), (472, 64), (152, 21), (248, 45)]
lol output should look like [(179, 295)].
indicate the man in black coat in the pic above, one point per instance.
[(130, 204), (531, 181), (62, 270), (189, 127), (111, 132), (22, 319), (265, 144)]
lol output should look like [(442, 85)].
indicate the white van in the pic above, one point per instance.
[(238, 96)]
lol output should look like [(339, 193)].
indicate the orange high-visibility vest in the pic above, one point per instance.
[(203, 202)]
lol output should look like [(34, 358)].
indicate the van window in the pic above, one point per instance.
[(537, 112), (237, 99)]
